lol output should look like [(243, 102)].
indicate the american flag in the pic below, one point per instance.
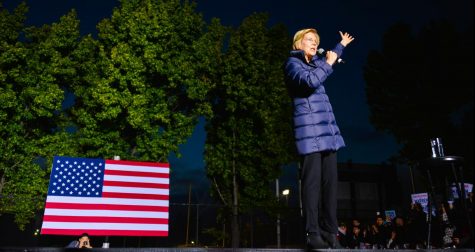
[(107, 197)]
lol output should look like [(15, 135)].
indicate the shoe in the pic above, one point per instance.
[(331, 240), (315, 241)]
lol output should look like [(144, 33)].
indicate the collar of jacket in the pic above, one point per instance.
[(300, 54)]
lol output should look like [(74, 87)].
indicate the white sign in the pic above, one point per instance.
[(423, 199), (468, 188)]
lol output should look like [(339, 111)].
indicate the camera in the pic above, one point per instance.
[(85, 244)]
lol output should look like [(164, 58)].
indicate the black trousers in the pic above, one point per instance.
[(319, 191)]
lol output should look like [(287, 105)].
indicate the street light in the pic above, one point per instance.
[(285, 192)]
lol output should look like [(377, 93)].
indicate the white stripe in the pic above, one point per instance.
[(107, 201), (137, 168), (105, 213), (104, 226), (136, 179), (141, 190)]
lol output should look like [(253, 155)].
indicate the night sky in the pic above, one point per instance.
[(366, 20)]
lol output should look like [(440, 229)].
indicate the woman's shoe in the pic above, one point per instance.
[(331, 239), (315, 241)]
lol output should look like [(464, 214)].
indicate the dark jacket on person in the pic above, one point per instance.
[(315, 127)]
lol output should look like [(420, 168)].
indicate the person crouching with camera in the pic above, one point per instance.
[(82, 242)]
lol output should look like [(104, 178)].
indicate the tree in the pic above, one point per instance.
[(144, 81), (34, 65), (250, 134), (418, 88)]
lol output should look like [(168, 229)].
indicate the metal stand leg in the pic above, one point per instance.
[(430, 198), (460, 186)]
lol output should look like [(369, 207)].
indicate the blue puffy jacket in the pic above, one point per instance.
[(315, 127)]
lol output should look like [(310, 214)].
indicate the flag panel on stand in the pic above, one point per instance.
[(107, 197)]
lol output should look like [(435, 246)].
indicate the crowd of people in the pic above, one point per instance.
[(450, 228)]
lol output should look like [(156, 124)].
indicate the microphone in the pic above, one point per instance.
[(321, 52)]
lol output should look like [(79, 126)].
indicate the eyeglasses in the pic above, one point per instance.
[(312, 40)]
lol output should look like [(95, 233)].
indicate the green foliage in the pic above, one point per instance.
[(425, 93), (32, 73), (144, 81), (251, 127)]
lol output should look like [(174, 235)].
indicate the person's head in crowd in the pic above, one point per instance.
[(399, 221), (379, 220), (342, 227), (356, 230), (355, 223)]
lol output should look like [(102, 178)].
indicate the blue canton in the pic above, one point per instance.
[(77, 177)]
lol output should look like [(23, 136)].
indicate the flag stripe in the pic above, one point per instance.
[(136, 179), (85, 219), (136, 184), (105, 226), (136, 174), (107, 201), (77, 232), (105, 213), (118, 167), (119, 189), (105, 207), (134, 195), (135, 163)]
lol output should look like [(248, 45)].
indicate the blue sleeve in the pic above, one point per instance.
[(301, 75), (73, 244), (338, 49)]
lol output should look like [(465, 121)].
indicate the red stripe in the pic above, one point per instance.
[(134, 196), (85, 219), (136, 184), (135, 163), (136, 174), (77, 232), (105, 207)]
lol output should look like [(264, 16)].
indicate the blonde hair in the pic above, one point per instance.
[(300, 34)]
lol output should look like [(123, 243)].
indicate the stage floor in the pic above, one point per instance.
[(45, 249)]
